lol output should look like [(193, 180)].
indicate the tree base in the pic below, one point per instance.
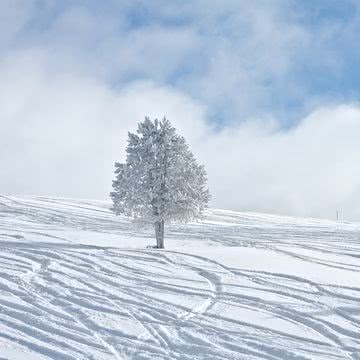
[(154, 247)]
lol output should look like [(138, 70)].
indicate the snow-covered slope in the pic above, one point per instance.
[(78, 283)]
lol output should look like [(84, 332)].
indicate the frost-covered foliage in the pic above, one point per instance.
[(161, 180)]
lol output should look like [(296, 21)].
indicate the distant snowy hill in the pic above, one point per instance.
[(76, 282)]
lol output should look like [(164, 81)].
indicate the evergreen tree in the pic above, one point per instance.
[(161, 180)]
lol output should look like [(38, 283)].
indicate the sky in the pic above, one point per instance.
[(266, 93)]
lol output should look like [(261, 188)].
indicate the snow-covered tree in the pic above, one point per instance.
[(161, 180)]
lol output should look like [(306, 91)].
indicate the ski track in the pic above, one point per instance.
[(65, 293)]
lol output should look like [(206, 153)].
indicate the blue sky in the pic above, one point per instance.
[(256, 76), (286, 56)]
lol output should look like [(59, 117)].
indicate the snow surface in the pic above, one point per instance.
[(77, 282)]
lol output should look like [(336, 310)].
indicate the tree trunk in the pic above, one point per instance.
[(162, 235), (159, 234)]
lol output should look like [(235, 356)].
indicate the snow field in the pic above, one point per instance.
[(77, 282)]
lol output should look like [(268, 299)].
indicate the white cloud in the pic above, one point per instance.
[(62, 133), (310, 170)]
